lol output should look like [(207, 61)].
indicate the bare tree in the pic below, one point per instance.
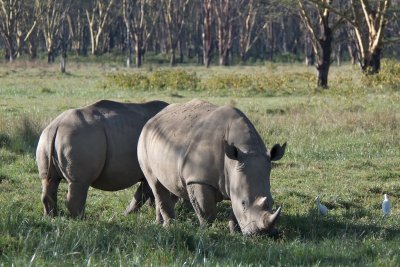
[(207, 27), (127, 13), (15, 27), (250, 25), (368, 22), (225, 15), (192, 34), (368, 19), (98, 17), (316, 18), (52, 16), (140, 18), (175, 15), (77, 28), (64, 40)]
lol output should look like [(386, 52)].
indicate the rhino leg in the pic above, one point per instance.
[(76, 199), (203, 199), (49, 195), (142, 195), (233, 224), (165, 203)]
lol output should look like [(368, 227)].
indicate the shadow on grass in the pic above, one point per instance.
[(185, 240), (314, 227)]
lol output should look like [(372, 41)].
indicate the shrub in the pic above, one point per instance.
[(260, 83), (173, 80), (156, 80), (136, 81), (387, 77), (229, 82)]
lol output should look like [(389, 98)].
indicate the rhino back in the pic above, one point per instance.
[(184, 144), (97, 144)]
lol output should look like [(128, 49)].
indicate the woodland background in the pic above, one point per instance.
[(223, 32)]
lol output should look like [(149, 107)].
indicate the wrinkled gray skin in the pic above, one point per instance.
[(93, 146), (205, 153)]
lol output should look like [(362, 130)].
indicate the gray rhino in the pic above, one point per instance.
[(204, 153), (93, 146)]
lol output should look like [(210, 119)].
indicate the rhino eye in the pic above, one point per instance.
[(236, 153)]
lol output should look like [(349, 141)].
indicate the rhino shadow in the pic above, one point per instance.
[(314, 227)]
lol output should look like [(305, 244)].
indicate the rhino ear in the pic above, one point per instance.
[(277, 151), (262, 202), (230, 150)]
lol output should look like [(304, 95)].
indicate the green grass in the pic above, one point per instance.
[(343, 144)]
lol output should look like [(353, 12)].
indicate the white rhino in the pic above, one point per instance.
[(93, 146), (205, 154)]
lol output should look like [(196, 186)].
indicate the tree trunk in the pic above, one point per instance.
[(172, 61), (376, 61), (325, 60), (128, 47), (284, 35), (352, 53), (372, 62), (339, 54), (50, 56), (243, 57), (11, 58), (207, 32), (63, 62), (180, 50), (271, 41), (10, 50), (84, 47), (323, 70), (223, 59), (33, 47), (138, 55), (92, 41), (308, 53)]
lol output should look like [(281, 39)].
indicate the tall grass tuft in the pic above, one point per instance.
[(20, 137)]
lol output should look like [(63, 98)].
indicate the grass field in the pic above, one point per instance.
[(343, 145)]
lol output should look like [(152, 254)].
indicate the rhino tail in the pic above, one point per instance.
[(52, 135)]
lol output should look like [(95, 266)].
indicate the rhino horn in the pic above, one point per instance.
[(274, 217)]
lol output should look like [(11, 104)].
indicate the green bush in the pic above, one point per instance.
[(136, 81), (387, 77), (174, 79), (229, 82), (260, 83), (269, 82)]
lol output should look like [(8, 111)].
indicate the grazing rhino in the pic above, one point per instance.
[(93, 146), (205, 154)]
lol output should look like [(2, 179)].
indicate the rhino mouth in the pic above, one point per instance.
[(271, 232), (267, 227)]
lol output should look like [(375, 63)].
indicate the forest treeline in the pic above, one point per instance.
[(208, 32)]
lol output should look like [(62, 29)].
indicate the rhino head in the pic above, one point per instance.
[(248, 175)]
